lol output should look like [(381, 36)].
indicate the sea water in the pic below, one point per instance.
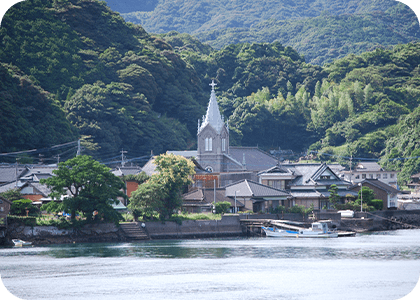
[(381, 265)]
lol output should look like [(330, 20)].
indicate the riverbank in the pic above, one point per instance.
[(228, 226)]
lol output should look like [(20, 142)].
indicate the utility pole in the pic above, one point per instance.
[(16, 171), (123, 158), (79, 149)]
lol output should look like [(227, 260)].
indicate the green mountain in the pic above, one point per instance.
[(114, 81), (320, 30), (75, 68)]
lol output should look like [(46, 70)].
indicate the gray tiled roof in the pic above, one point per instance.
[(247, 188), (150, 168), (10, 186), (255, 159), (185, 153), (368, 166), (42, 188), (8, 174), (381, 185)]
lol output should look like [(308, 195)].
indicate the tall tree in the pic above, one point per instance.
[(162, 192), (90, 187)]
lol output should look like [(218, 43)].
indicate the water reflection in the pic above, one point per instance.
[(382, 245)]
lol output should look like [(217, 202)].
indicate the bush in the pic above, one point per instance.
[(27, 221), (278, 210), (19, 207), (378, 204), (222, 207)]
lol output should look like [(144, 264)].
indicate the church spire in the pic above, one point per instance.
[(213, 116)]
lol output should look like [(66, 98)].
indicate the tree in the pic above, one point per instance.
[(162, 192), (174, 174), (146, 200), (23, 207), (90, 185), (334, 198)]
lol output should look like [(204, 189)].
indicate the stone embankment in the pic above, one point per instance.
[(229, 225), (93, 233)]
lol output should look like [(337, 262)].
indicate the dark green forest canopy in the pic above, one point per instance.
[(75, 68), (67, 46), (321, 30)]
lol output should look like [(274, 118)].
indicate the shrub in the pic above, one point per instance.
[(377, 204), (19, 207), (222, 207)]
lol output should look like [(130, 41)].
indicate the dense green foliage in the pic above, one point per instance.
[(84, 53), (72, 68), (222, 207), (85, 186), (161, 194), (30, 117), (320, 30), (327, 37), (23, 207)]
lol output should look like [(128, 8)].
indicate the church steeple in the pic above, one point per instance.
[(212, 137), (213, 116)]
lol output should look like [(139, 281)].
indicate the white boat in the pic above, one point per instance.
[(20, 243), (318, 230)]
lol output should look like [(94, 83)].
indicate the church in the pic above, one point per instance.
[(216, 156)]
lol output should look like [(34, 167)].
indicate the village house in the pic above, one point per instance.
[(370, 170), (383, 191), (308, 184)]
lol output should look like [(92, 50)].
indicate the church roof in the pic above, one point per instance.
[(253, 158), (213, 116)]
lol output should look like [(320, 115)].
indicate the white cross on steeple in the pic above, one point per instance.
[(212, 84)]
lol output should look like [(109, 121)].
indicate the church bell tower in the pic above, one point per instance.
[(212, 137)]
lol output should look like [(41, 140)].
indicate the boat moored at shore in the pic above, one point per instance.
[(318, 230)]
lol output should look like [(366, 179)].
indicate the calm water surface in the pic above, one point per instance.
[(384, 265)]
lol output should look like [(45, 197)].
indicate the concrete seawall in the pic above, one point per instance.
[(228, 226)]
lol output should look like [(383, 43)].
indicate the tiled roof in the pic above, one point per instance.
[(247, 188), (185, 153), (381, 185), (42, 188), (150, 168), (255, 159), (121, 171), (368, 166), (8, 174), (10, 186)]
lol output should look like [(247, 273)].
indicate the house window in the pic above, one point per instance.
[(385, 176), (325, 177), (209, 144), (357, 176), (378, 176), (371, 176), (363, 176), (223, 145), (391, 175)]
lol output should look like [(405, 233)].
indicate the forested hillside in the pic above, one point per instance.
[(74, 68), (319, 30), (113, 80)]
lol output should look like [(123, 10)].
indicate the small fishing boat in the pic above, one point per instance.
[(20, 243), (318, 230)]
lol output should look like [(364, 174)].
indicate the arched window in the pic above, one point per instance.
[(208, 144), (209, 169)]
